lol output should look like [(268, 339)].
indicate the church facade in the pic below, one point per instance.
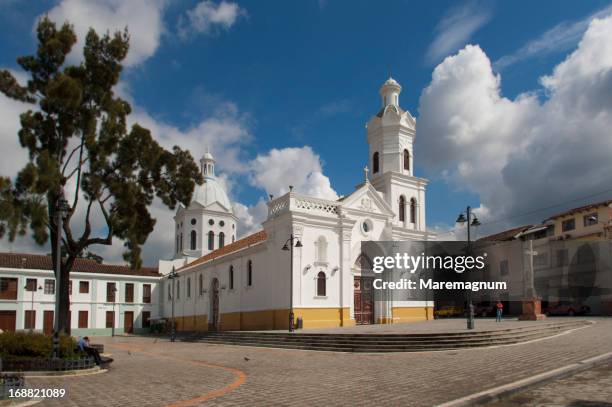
[(307, 258)]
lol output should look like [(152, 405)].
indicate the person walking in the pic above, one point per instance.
[(500, 310)]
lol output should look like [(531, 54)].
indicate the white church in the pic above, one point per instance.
[(306, 260)]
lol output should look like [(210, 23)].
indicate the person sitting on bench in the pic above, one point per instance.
[(84, 346)]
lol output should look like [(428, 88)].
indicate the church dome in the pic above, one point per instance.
[(210, 192)]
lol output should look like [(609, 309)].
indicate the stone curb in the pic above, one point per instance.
[(60, 373), (504, 391)]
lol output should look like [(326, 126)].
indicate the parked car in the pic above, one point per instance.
[(448, 311), (567, 308)]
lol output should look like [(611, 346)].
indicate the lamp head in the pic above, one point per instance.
[(298, 244), (461, 219), (475, 222), (285, 247)]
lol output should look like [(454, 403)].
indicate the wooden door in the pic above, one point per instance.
[(214, 306), (128, 322), (8, 320), (364, 300), (48, 322)]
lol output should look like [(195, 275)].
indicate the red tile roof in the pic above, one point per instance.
[(582, 209), (505, 235), (238, 245), (44, 262)]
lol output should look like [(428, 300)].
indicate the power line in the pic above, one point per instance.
[(536, 210)]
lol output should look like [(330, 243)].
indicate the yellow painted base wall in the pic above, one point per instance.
[(312, 318), (411, 314)]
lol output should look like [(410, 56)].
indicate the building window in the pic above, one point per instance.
[(222, 223), (8, 288), (562, 258), (211, 222), (177, 243), (321, 284), (83, 287), (221, 240), (233, 238), (30, 320), (406, 160), (146, 319), (412, 210), (590, 219), (83, 319), (569, 224), (188, 287), (69, 287), (129, 292), (375, 164), (402, 208), (503, 267), (201, 284), (321, 249), (49, 286), (169, 292), (111, 289), (146, 293), (181, 248), (178, 290), (211, 240), (110, 319), (231, 277), (250, 273), (31, 284), (194, 221), (194, 238), (540, 260)]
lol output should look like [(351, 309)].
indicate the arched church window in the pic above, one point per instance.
[(402, 209), (201, 285), (188, 287), (221, 240), (181, 245), (250, 273), (321, 249), (211, 240), (321, 281), (406, 160), (178, 289), (412, 210), (375, 163), (169, 292), (194, 240), (177, 244), (193, 221), (233, 238), (231, 277)]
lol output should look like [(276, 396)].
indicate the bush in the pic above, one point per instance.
[(31, 344)]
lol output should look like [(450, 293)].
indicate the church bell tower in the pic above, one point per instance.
[(391, 134)]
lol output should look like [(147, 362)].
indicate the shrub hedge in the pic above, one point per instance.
[(31, 344)]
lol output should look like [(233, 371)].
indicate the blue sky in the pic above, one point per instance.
[(307, 73)]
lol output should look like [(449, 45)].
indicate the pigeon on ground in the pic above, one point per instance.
[(246, 359)]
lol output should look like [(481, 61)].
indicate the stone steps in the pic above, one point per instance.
[(385, 343)]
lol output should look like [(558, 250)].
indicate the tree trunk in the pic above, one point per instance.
[(61, 289)]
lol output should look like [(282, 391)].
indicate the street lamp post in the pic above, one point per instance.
[(172, 276), (114, 315), (289, 246), (471, 221), (32, 288), (61, 211)]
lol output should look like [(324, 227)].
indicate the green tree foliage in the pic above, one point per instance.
[(77, 137)]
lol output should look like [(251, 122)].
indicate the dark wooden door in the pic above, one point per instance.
[(128, 322), (214, 306), (48, 322), (364, 300), (8, 320)]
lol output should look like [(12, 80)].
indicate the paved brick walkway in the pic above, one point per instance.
[(591, 388), (161, 373)]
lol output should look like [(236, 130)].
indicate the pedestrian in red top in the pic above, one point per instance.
[(500, 311)]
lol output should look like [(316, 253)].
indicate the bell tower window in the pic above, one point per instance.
[(406, 160), (211, 240), (194, 240), (412, 210), (375, 163), (402, 209), (221, 240)]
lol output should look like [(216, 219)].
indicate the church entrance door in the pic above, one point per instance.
[(213, 323), (364, 300)]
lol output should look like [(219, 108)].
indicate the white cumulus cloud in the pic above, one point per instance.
[(207, 16), (143, 18), (522, 153)]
